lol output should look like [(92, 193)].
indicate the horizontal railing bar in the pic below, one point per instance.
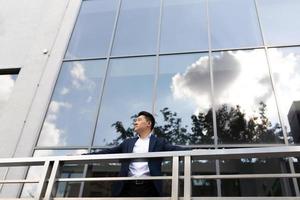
[(19, 181), (181, 198), (166, 198), (17, 198), (205, 154), (113, 179), (244, 176), (28, 161), (229, 176), (244, 198), (114, 198)]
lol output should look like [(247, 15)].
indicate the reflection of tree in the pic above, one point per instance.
[(172, 129), (202, 128), (232, 127)]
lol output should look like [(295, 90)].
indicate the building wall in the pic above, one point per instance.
[(29, 32), (33, 37)]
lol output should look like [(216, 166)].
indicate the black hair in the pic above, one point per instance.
[(149, 117)]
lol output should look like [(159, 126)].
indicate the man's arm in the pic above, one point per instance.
[(117, 149), (170, 147)]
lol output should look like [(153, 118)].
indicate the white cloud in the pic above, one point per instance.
[(51, 117), (286, 70), (249, 83), (78, 72), (6, 87), (51, 135), (79, 78), (89, 99), (240, 78), (55, 106), (64, 91), (78, 75), (194, 83)]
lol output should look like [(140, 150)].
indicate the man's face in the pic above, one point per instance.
[(141, 124)]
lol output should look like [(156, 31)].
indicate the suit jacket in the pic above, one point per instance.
[(155, 145)]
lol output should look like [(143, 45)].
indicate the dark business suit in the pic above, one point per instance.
[(155, 145)]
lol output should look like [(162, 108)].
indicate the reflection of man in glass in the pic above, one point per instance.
[(143, 143)]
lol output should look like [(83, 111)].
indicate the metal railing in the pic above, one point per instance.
[(49, 176)]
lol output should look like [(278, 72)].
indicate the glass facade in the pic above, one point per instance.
[(215, 73)]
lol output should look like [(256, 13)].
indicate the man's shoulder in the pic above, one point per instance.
[(159, 139), (127, 140)]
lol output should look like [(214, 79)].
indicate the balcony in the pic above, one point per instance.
[(179, 166)]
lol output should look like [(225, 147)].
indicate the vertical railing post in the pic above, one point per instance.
[(42, 181), (175, 177), (82, 184), (51, 182), (187, 178)]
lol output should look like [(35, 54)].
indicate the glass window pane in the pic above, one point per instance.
[(128, 90), (254, 166), (245, 105), (259, 186), (93, 29), (183, 99), (285, 65), (234, 24), (203, 187), (264, 187), (72, 111), (137, 27), (7, 83), (184, 26), (15, 187), (280, 21)]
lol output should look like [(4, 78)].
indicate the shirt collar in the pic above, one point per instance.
[(148, 136)]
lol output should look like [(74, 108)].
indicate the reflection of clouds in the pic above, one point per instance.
[(250, 83), (193, 83), (56, 106), (240, 78), (226, 69), (79, 78), (71, 103), (89, 99), (51, 134), (285, 68), (64, 91), (78, 72), (6, 86)]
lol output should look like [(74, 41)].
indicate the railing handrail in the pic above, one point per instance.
[(51, 165), (206, 154)]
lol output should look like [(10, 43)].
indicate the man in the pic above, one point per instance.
[(145, 142)]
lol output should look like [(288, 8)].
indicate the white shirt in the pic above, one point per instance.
[(140, 168)]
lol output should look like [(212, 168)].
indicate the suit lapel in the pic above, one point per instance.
[(131, 144), (152, 143)]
